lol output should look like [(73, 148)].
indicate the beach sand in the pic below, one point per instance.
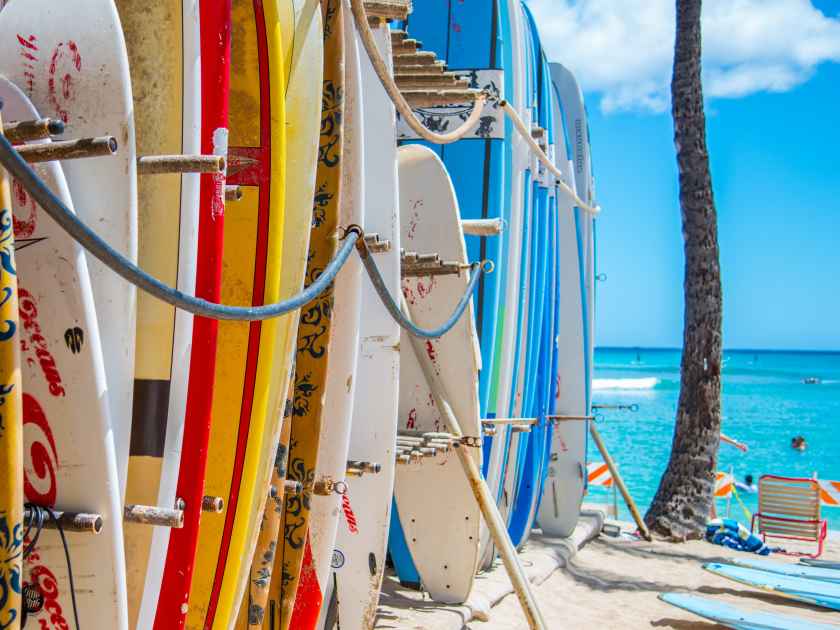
[(609, 583)]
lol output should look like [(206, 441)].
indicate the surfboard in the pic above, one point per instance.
[(11, 419), (567, 479), (787, 568), (249, 369), (300, 24), (536, 383), (363, 535), (334, 440), (737, 617), (314, 329), (72, 64), (173, 595), (825, 564), (438, 512), (563, 490), (69, 460), (815, 592), (517, 157), (166, 91)]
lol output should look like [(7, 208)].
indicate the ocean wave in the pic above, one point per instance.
[(600, 384)]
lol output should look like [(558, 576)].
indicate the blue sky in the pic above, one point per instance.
[(773, 138)]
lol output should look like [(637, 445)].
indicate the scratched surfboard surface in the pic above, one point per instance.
[(437, 510), (215, 87), (314, 328), (340, 385), (11, 421), (363, 535), (166, 93), (69, 459), (72, 64), (249, 370), (300, 23)]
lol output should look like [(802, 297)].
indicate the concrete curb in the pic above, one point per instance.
[(542, 556)]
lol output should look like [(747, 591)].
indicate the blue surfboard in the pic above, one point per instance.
[(823, 594), (737, 617), (788, 568), (825, 564)]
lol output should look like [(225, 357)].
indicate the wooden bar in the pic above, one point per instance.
[(233, 193), (482, 227), (215, 505), (368, 467), (405, 46), (70, 521), (388, 9), (153, 515), (439, 98), (430, 82), (163, 164), (375, 245), (521, 421), (18, 132), (403, 67), (68, 149)]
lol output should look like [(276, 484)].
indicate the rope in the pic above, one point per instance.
[(87, 238), (747, 513), (520, 126), (476, 269), (402, 106)]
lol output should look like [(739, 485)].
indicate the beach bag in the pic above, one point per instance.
[(730, 533)]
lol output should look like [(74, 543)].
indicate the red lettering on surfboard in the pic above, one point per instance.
[(65, 62), (412, 419), (23, 205), (36, 343), (39, 477), (29, 54)]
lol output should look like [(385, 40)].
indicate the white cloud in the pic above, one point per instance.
[(623, 49)]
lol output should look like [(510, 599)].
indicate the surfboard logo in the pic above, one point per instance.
[(37, 344), (74, 338), (39, 478), (337, 560)]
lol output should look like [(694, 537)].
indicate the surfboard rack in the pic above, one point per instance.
[(68, 149), (233, 193), (154, 515), (440, 98), (416, 265), (359, 469), (483, 227), (562, 418), (83, 522), (376, 245), (26, 130), (163, 164), (327, 486), (388, 10)]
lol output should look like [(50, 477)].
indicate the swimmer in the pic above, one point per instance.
[(798, 443), (748, 485)]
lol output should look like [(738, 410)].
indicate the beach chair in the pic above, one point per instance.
[(789, 507)]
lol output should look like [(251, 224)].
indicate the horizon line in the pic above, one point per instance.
[(679, 349)]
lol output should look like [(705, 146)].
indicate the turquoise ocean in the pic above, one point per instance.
[(765, 404)]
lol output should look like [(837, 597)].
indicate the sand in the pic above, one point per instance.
[(614, 583), (609, 583)]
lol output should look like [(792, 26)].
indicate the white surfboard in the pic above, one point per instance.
[(167, 115), (69, 460), (563, 488), (71, 62), (362, 538), (503, 450), (438, 512), (334, 441)]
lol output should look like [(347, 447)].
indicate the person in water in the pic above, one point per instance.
[(798, 443), (748, 485)]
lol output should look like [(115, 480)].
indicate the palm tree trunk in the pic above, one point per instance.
[(683, 500)]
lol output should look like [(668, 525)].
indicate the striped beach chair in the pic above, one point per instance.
[(789, 508)]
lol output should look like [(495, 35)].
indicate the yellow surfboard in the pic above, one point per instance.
[(300, 23), (249, 370), (314, 328), (166, 94), (11, 421)]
